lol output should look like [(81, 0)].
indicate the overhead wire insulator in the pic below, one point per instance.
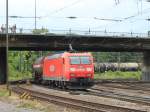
[(70, 47), (117, 2)]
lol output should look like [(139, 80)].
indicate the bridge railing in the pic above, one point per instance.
[(99, 33), (85, 33)]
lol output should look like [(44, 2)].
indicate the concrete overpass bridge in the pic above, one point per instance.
[(57, 42), (53, 42)]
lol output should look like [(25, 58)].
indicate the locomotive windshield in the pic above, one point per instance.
[(85, 60), (80, 60), (74, 60)]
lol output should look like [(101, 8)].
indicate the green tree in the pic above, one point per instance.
[(40, 31)]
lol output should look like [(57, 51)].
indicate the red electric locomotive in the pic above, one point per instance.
[(70, 70)]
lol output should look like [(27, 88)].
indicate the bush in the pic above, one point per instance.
[(118, 75)]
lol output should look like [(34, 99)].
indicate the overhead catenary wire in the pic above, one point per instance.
[(67, 6), (145, 11), (139, 13), (56, 11), (62, 8), (96, 18), (16, 16)]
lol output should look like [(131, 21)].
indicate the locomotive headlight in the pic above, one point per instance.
[(89, 69), (89, 75), (72, 75), (72, 69)]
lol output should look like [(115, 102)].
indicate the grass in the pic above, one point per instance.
[(3, 91), (31, 104), (118, 75), (43, 106)]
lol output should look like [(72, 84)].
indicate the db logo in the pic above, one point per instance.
[(52, 68)]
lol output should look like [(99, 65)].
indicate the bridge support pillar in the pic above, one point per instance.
[(2, 65), (146, 67)]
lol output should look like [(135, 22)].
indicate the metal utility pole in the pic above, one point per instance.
[(35, 24), (35, 14), (7, 46)]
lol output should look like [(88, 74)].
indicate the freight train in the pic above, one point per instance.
[(65, 70), (102, 67)]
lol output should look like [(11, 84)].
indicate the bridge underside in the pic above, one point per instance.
[(78, 42)]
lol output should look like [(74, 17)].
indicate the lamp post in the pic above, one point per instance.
[(7, 46)]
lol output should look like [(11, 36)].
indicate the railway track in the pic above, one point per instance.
[(100, 81), (100, 92), (74, 103), (108, 94), (96, 81), (120, 96), (130, 86)]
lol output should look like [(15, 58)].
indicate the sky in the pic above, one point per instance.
[(117, 15)]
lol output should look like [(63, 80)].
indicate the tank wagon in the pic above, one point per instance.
[(67, 70), (102, 67)]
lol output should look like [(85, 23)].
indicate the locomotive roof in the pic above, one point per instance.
[(60, 54), (63, 54)]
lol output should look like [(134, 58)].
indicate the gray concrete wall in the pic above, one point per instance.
[(146, 67), (2, 65)]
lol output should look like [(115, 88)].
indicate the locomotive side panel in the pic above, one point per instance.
[(53, 69)]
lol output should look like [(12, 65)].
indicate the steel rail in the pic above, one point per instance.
[(119, 96), (80, 104), (132, 81), (131, 86)]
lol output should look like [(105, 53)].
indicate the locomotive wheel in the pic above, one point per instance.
[(37, 79), (56, 83), (64, 85), (59, 84)]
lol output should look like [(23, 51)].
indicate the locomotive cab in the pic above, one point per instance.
[(81, 70)]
